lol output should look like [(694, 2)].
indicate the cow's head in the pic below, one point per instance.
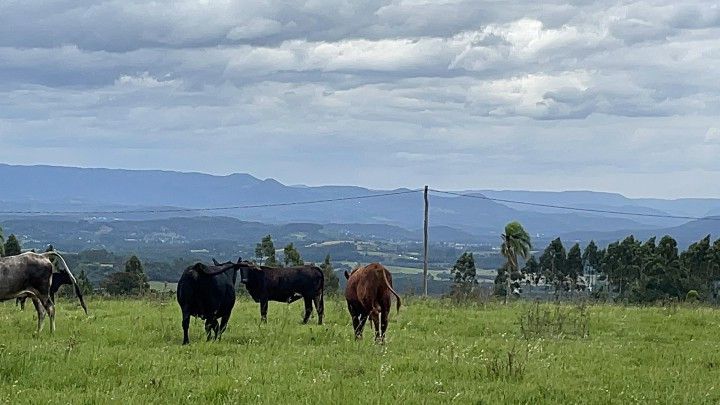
[(246, 268)]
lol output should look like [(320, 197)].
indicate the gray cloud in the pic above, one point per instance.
[(390, 91)]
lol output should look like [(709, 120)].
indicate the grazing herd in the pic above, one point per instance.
[(208, 291)]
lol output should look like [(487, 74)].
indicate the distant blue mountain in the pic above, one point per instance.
[(41, 188), (606, 202), (685, 234)]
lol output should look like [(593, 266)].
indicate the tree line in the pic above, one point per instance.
[(629, 269)]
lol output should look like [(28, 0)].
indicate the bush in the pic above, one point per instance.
[(469, 293), (600, 295), (561, 322), (506, 366), (124, 283), (692, 296)]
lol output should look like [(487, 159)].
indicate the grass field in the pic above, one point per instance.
[(437, 352)]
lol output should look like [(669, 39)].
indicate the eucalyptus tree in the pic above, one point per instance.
[(553, 264), (574, 264), (12, 246)]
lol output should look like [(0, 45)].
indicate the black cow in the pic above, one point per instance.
[(58, 280), (207, 292), (287, 284)]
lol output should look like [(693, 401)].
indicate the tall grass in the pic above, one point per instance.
[(436, 352)]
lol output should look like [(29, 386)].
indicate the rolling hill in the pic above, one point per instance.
[(50, 188)]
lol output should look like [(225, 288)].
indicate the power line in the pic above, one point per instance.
[(564, 207), (361, 197), (234, 207)]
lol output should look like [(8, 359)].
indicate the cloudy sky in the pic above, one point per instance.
[(613, 96)]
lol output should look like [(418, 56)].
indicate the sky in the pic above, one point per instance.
[(610, 96)]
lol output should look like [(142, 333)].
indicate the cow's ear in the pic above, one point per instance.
[(347, 275), (215, 262), (239, 260)]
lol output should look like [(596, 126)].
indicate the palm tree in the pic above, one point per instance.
[(516, 241)]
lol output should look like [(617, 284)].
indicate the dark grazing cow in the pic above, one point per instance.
[(207, 292), (285, 284), (58, 280), (368, 294), (30, 275)]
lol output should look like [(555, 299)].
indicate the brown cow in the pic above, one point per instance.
[(368, 295)]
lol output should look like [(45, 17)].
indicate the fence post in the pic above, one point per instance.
[(425, 246)]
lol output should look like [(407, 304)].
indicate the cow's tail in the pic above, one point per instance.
[(66, 269), (322, 286), (389, 285), (321, 308)]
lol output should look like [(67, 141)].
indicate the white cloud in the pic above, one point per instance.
[(712, 135), (423, 88), (144, 80), (256, 27)]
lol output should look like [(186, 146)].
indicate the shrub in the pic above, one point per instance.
[(506, 366), (561, 322)]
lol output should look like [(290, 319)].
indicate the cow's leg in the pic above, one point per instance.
[(186, 327), (210, 326), (354, 317), (384, 318), (223, 325), (376, 324), (20, 301), (50, 308), (356, 324), (320, 307), (216, 328), (361, 325), (263, 310), (40, 313), (308, 309)]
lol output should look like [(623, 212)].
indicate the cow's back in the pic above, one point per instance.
[(367, 287), (203, 295), (28, 270), (282, 283)]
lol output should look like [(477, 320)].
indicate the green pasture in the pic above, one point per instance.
[(129, 352)]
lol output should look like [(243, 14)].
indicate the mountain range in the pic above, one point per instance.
[(75, 191)]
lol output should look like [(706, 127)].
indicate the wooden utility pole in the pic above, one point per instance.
[(425, 246)]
